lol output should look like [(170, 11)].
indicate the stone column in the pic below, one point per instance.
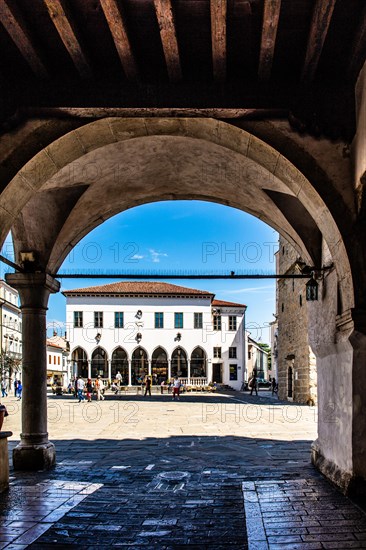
[(149, 367), (169, 369), (189, 371), (89, 368), (129, 372), (35, 451), (109, 370)]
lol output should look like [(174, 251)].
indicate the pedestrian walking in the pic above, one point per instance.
[(274, 386), (99, 386), (19, 390), (15, 387), (148, 386), (253, 383), (80, 388), (89, 390), (3, 389), (176, 388)]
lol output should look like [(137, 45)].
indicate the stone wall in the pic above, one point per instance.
[(297, 377)]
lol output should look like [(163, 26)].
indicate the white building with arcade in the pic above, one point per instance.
[(161, 329)]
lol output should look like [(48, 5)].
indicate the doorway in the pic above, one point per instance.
[(217, 373)]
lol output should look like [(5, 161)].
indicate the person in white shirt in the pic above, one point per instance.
[(119, 378), (99, 386), (176, 388), (80, 386)]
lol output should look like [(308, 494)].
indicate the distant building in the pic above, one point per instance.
[(10, 334), (257, 359), (140, 328), (57, 360), (296, 363)]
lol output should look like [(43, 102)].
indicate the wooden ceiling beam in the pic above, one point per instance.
[(65, 29), (218, 38), (322, 15), (271, 15), (16, 28), (168, 34), (117, 27)]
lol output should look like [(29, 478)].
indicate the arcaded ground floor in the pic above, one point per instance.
[(210, 471)]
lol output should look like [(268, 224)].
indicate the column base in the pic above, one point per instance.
[(4, 461), (34, 457), (350, 485)]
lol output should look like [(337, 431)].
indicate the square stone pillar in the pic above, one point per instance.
[(340, 450), (35, 451)]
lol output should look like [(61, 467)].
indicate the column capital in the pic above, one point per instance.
[(34, 288)]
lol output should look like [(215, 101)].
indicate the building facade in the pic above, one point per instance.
[(296, 362), (58, 364), (257, 360), (10, 334), (165, 330)]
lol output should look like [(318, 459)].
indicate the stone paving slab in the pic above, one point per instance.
[(217, 472), (301, 526)]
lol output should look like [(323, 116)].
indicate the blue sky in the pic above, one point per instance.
[(181, 236)]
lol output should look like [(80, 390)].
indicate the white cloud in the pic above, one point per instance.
[(254, 289), (155, 256), (137, 257)]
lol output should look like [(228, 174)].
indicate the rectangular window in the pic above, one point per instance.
[(233, 372), (232, 322), (58, 360), (178, 320), (49, 360), (217, 322), (78, 319), (217, 352), (118, 319), (98, 319), (54, 359), (198, 320), (159, 319), (232, 353)]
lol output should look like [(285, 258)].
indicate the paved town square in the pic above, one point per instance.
[(228, 470)]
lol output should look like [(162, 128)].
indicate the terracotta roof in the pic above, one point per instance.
[(57, 342), (143, 287), (53, 345), (222, 303)]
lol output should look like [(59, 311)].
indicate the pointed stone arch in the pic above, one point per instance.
[(79, 362), (99, 362)]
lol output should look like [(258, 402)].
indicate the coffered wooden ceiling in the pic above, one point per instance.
[(232, 57)]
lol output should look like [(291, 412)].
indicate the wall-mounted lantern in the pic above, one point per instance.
[(312, 289)]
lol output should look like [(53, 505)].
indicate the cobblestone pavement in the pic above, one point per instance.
[(209, 471)]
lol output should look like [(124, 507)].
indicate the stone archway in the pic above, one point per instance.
[(78, 178), (105, 167)]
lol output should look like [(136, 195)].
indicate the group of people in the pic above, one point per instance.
[(253, 384), (175, 386), (86, 389), (18, 388)]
